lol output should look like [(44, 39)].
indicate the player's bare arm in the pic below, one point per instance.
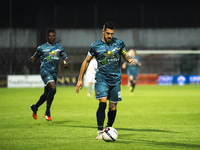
[(124, 65), (128, 59), (84, 67), (32, 59), (138, 63), (65, 63)]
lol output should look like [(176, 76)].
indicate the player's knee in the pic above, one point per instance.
[(102, 105), (112, 106), (52, 91), (131, 78)]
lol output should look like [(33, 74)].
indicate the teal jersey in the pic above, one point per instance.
[(133, 69), (108, 56), (49, 56)]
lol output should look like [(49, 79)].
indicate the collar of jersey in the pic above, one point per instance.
[(51, 44), (107, 43)]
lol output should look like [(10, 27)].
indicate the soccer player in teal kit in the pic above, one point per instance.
[(49, 54), (107, 52), (132, 71)]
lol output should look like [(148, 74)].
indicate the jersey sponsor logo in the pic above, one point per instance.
[(48, 58), (109, 54), (109, 57), (52, 54), (55, 58), (113, 59), (103, 61), (103, 50)]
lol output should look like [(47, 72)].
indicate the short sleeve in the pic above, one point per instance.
[(38, 52), (91, 52), (123, 49), (62, 53)]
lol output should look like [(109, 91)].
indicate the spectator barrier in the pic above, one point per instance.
[(15, 81)]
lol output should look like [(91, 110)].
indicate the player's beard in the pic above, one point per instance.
[(51, 41), (107, 40)]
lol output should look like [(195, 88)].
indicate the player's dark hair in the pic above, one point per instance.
[(108, 25), (50, 30)]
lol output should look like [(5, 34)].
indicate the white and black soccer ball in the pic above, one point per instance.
[(109, 134)]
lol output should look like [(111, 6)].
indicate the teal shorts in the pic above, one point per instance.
[(132, 73), (48, 77), (102, 89)]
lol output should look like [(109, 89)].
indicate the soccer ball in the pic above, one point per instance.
[(109, 134)]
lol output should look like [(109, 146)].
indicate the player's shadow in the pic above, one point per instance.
[(170, 144), (157, 143), (63, 123), (145, 130), (125, 140), (130, 135)]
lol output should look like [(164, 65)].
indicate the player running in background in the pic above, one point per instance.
[(107, 52), (132, 71), (49, 54), (90, 75)]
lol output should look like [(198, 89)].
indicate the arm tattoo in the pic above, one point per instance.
[(127, 57)]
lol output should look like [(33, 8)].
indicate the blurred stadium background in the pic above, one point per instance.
[(165, 33)]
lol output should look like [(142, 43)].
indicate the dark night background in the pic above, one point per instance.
[(93, 14), (86, 14)]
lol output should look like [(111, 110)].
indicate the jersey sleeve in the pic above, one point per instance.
[(38, 52), (123, 49), (91, 52), (62, 53)]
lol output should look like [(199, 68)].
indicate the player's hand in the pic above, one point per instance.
[(65, 63), (131, 61), (32, 59), (79, 85)]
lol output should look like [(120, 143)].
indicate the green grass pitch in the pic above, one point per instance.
[(154, 118)]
